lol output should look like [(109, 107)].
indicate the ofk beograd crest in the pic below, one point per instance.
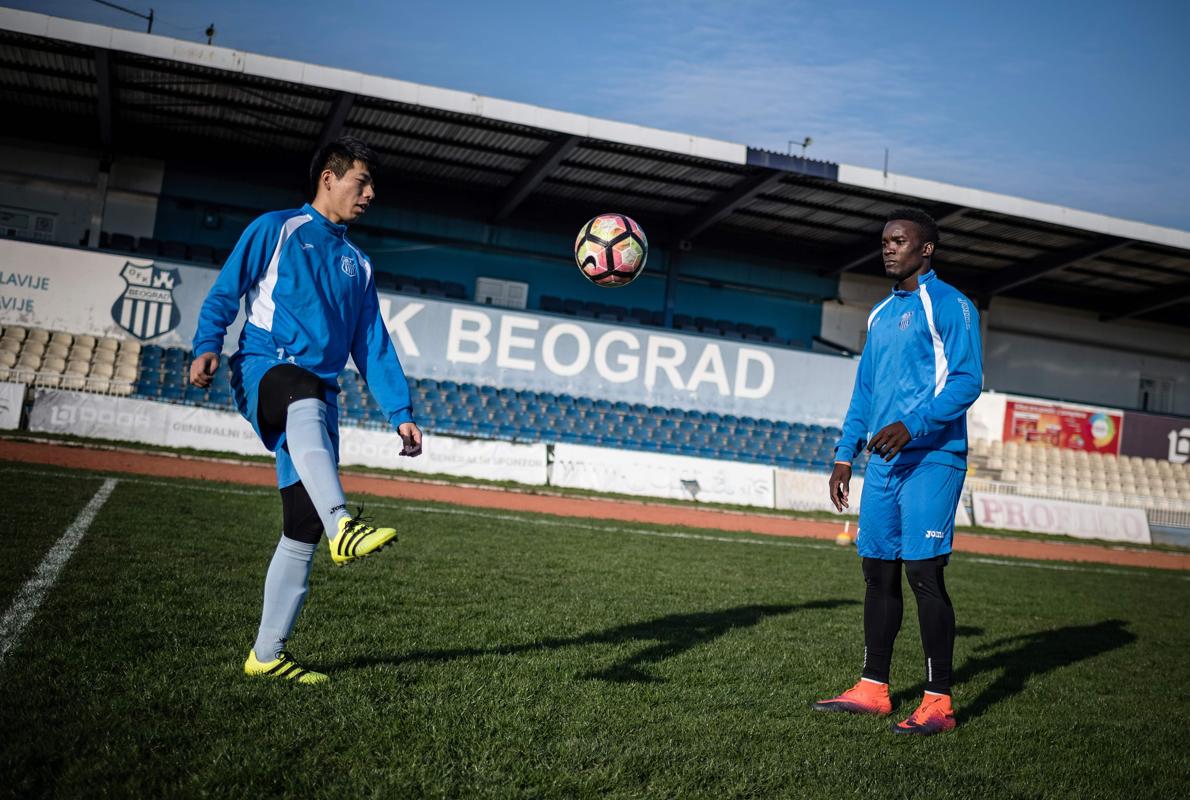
[(147, 308)]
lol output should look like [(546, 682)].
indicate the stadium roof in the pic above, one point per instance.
[(118, 90)]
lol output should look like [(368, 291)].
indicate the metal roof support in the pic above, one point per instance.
[(537, 171), (333, 127), (726, 203), (1150, 301), (861, 254), (673, 258), (104, 98), (1042, 265)]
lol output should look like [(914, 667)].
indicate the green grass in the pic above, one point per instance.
[(504, 655)]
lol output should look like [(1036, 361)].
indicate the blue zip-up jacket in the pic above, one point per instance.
[(922, 365), (311, 301)]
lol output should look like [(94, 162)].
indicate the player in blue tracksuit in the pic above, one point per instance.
[(310, 302), (921, 369)]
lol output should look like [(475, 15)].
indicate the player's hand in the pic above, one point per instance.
[(889, 440), (203, 369), (410, 438), (840, 485)]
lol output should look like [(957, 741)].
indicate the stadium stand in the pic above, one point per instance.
[(124, 367), (57, 359)]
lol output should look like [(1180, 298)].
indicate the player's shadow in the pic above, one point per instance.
[(1017, 659), (670, 635)]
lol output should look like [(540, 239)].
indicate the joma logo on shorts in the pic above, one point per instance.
[(934, 534)]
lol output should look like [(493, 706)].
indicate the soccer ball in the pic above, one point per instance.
[(611, 250)]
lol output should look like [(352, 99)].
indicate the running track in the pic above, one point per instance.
[(119, 460)]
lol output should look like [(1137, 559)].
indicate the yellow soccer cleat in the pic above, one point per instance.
[(357, 539), (283, 667)]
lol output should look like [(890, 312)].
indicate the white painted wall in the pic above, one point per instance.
[(62, 182), (1046, 351)]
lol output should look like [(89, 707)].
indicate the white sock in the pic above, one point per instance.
[(313, 456), (285, 588)]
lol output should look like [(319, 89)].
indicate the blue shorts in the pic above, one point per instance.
[(246, 374), (907, 512)]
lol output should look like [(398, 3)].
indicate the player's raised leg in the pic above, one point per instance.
[(298, 399)]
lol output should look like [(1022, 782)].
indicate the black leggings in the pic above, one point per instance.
[(883, 607), (282, 385)]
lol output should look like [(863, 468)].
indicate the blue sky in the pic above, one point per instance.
[(1078, 103)]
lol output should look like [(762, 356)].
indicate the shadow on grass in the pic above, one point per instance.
[(1020, 658), (672, 635)]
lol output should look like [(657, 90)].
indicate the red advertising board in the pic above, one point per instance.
[(1068, 427)]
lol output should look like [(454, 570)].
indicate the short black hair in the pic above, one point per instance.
[(924, 222), (338, 156)]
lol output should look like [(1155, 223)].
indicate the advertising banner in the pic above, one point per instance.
[(126, 419), (1016, 513), (12, 399), (1061, 425), (130, 420), (803, 490), (661, 475), (446, 455), (1154, 436), (82, 291)]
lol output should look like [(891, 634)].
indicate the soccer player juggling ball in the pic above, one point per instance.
[(310, 303), (921, 369)]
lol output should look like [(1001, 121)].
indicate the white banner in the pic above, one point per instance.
[(803, 490), (126, 419), (1016, 513), (83, 291), (12, 398), (446, 455), (661, 475), (130, 420)]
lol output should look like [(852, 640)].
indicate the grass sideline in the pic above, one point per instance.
[(818, 516), (495, 655)]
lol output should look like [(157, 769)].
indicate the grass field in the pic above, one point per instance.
[(501, 655)]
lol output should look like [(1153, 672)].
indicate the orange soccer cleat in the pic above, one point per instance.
[(934, 715), (866, 697)]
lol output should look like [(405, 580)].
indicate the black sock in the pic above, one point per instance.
[(935, 616), (883, 605)]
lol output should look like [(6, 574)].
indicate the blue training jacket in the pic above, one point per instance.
[(311, 301), (922, 365)]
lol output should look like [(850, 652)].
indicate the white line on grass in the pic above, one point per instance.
[(561, 523), (31, 594)]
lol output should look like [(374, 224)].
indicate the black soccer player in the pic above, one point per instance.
[(921, 369)]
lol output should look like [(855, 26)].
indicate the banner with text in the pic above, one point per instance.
[(82, 291), (12, 400), (661, 475), (1016, 513), (1062, 425), (127, 419), (1155, 436)]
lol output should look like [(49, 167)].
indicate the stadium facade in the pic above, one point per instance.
[(130, 163)]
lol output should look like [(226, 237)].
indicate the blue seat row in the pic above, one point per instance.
[(468, 409)]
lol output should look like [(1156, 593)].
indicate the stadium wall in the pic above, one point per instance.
[(64, 183), (1044, 351), (452, 241)]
